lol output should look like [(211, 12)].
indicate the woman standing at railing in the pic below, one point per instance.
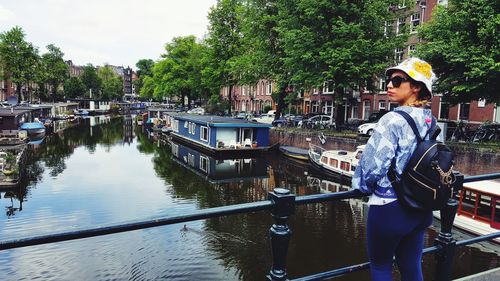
[(393, 230)]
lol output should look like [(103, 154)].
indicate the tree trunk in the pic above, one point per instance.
[(280, 102), (230, 98)]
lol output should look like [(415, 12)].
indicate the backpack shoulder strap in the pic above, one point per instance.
[(410, 122)]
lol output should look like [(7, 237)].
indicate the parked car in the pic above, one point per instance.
[(197, 110), (287, 120), (244, 115), (367, 128), (267, 118), (318, 121)]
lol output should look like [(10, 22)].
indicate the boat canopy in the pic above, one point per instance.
[(32, 125)]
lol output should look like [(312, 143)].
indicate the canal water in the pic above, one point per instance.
[(103, 170)]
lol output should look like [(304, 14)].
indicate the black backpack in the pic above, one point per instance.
[(427, 181)]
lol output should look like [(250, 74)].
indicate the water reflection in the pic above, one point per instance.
[(105, 170)]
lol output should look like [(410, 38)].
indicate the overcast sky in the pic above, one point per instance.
[(118, 32)]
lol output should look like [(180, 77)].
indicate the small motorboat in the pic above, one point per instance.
[(294, 152), (81, 112), (33, 128), (335, 163)]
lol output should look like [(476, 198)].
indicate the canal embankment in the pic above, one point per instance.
[(470, 158)]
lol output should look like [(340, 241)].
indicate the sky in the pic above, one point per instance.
[(117, 32)]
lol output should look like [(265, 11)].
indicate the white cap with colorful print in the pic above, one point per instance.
[(417, 69)]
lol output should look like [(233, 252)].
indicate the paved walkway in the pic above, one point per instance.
[(490, 275)]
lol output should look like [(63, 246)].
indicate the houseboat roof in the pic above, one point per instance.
[(219, 121), (487, 187), (5, 112)]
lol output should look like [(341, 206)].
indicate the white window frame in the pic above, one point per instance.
[(414, 22), (190, 159), (382, 105), (204, 167), (175, 125), (202, 130), (481, 103), (328, 87), (269, 88), (400, 25), (411, 49), (382, 85), (398, 54)]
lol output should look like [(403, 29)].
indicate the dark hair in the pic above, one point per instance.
[(424, 94)]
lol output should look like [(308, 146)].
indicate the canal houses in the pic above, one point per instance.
[(220, 135)]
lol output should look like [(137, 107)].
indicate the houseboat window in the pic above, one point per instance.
[(334, 163), (191, 159), (186, 124), (204, 164), (175, 149), (192, 128), (204, 133), (484, 207), (346, 166), (468, 201), (175, 125), (324, 159)]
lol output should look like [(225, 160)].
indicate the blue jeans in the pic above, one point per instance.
[(395, 231)]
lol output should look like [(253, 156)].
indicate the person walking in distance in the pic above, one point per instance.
[(392, 229)]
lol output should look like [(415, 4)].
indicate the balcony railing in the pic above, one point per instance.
[(282, 205)]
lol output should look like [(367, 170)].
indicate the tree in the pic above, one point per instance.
[(55, 68), (112, 84), (19, 57), (224, 37), (91, 81), (462, 44), (341, 42), (179, 72), (144, 68), (74, 88)]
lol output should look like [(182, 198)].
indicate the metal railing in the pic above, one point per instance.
[(282, 205)]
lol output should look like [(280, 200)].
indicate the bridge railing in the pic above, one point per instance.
[(282, 205)]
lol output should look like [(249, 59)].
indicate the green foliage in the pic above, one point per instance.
[(19, 57), (144, 69), (91, 80), (55, 69), (179, 72), (112, 84), (74, 88), (463, 48)]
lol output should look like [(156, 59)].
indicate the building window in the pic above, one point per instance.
[(328, 107), (464, 111), (411, 49), (402, 4), (414, 22), (388, 28), (204, 133), (401, 25), (366, 109), (328, 87), (382, 86), (398, 55), (481, 103), (269, 88), (314, 106), (204, 164), (381, 105), (445, 109)]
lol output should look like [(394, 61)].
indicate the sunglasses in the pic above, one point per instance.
[(396, 81)]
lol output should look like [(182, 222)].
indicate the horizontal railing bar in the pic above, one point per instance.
[(491, 176), (317, 198), (136, 225), (478, 239)]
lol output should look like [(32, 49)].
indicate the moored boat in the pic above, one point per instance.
[(335, 163), (81, 112), (33, 128), (294, 152), (479, 208)]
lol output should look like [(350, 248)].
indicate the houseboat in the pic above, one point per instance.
[(479, 208), (220, 136), (334, 163), (218, 170)]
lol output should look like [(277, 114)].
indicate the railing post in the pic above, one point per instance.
[(445, 240), (284, 206)]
